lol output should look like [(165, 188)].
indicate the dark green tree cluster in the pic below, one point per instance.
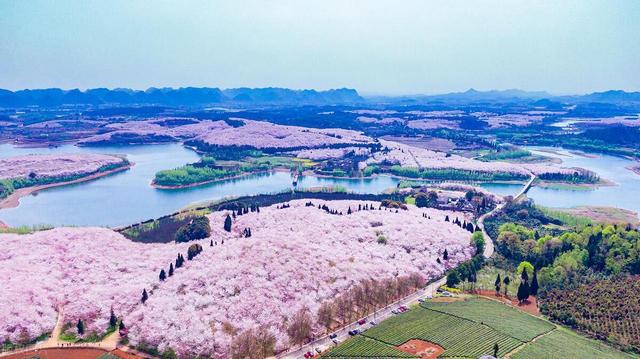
[(561, 259), (575, 177), (455, 174), (477, 240), (428, 199), (466, 271), (197, 228)]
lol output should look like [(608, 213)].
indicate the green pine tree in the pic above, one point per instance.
[(80, 327), (227, 223)]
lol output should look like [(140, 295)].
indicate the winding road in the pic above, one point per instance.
[(324, 343)]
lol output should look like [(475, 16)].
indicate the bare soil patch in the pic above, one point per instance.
[(68, 353), (422, 348), (60, 353), (530, 306)]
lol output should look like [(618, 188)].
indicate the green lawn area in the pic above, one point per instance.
[(410, 200), (459, 337), (496, 315), (562, 343), (487, 278)]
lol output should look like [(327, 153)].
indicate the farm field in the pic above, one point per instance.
[(469, 329), (361, 346), (458, 336), (561, 344), (496, 315)]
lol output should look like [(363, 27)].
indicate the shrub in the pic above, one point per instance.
[(193, 251)]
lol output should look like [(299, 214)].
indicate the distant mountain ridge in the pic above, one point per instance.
[(185, 96), (613, 96), (202, 96), (475, 95)]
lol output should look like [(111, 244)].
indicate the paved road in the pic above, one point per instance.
[(324, 343)]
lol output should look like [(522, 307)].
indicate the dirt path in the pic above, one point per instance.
[(13, 200), (110, 342), (53, 341)]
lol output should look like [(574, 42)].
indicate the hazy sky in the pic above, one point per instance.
[(381, 47)]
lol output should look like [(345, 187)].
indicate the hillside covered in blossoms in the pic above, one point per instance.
[(291, 256), (52, 166)]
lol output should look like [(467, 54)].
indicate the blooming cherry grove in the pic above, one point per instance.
[(296, 256), (85, 270), (411, 156), (327, 153), (260, 134), (54, 165), (155, 127)]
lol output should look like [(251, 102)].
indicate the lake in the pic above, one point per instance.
[(126, 197), (624, 194)]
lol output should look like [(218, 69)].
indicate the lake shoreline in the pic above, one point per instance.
[(13, 200), (575, 186)]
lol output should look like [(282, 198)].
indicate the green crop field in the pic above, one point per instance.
[(459, 337), (497, 316), (470, 329), (562, 344), (364, 347)]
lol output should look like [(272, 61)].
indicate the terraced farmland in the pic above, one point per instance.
[(459, 337), (495, 315), (561, 344), (364, 347)]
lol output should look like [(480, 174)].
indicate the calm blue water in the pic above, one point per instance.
[(624, 194), (126, 197)]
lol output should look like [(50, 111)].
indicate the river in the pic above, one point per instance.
[(126, 197)]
